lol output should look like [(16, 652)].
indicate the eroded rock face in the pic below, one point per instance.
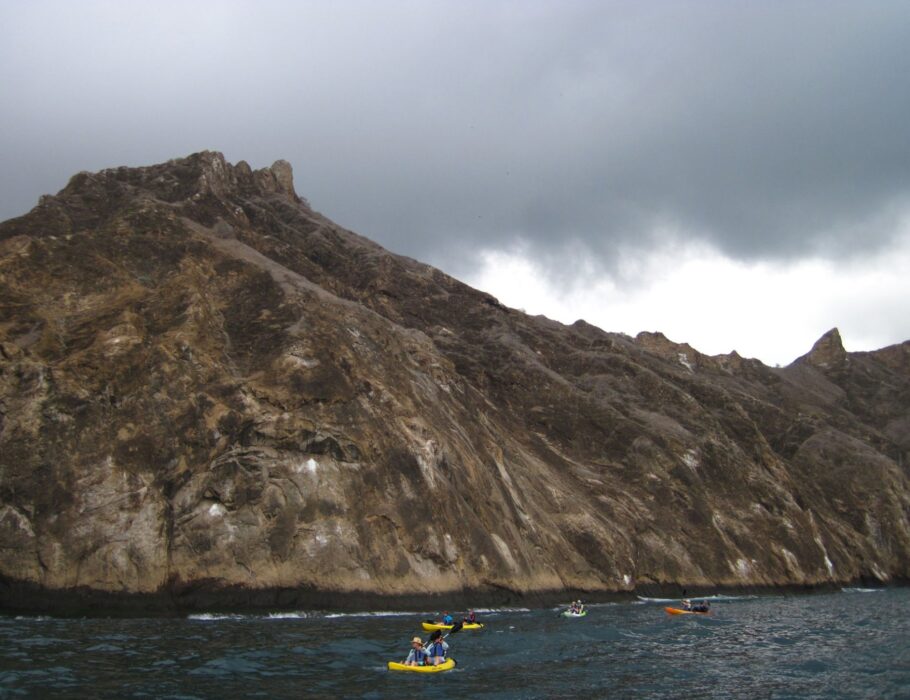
[(207, 386)]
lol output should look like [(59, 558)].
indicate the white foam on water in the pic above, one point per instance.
[(289, 615), (303, 615), (493, 611), (377, 613), (214, 617), (861, 590)]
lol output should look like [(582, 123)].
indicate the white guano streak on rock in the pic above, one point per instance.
[(821, 545), (743, 568), (828, 564), (690, 459), (684, 361), (790, 558)]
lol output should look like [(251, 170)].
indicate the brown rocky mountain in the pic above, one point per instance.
[(212, 396)]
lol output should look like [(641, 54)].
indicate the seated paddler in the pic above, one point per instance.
[(418, 655)]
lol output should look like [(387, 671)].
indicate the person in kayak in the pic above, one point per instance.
[(418, 656), (437, 649), (446, 618), (471, 618), (687, 604), (702, 607)]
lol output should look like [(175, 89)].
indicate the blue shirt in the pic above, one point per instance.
[(438, 649), (418, 655)]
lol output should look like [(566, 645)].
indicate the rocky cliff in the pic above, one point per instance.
[(210, 395)]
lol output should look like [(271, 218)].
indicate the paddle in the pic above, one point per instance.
[(456, 627)]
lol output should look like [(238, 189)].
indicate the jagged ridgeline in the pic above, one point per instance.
[(210, 395)]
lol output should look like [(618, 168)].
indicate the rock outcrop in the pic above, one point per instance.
[(212, 395)]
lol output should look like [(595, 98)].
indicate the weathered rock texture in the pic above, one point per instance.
[(207, 388)]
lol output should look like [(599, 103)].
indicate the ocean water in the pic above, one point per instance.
[(851, 644)]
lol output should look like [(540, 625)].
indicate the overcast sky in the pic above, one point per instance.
[(734, 174)]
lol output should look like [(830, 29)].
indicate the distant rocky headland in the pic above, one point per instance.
[(213, 397)]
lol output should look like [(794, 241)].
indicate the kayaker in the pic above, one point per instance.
[(446, 618), (701, 607), (418, 655), (437, 649), (471, 618), (687, 604)]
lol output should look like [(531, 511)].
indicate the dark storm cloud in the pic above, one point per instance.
[(769, 129)]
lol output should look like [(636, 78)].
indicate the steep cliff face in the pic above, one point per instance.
[(206, 386)]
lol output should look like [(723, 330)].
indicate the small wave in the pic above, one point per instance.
[(861, 590), (289, 615), (493, 611), (214, 617), (379, 613), (301, 615)]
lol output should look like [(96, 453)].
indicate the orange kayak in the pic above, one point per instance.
[(680, 611)]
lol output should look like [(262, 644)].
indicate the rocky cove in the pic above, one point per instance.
[(213, 397)]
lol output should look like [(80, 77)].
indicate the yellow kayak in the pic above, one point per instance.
[(431, 626), (446, 665)]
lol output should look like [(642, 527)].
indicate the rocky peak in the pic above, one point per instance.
[(187, 179), (218, 177), (828, 351), (283, 175)]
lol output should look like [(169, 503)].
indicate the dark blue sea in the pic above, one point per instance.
[(850, 644)]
